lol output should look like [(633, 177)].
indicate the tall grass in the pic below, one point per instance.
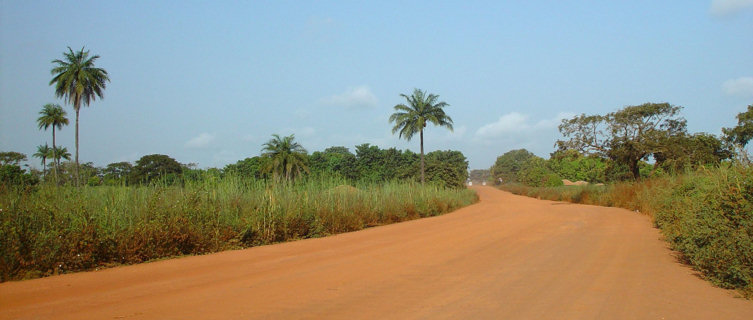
[(49, 230), (706, 215)]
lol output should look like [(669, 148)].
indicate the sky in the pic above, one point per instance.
[(208, 82)]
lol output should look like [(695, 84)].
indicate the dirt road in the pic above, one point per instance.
[(507, 257)]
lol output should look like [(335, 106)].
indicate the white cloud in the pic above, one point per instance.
[(200, 141), (742, 86), (729, 7), (357, 97), (511, 122)]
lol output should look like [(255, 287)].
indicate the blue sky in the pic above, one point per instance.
[(209, 82)]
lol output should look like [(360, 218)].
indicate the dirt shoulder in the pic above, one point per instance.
[(506, 257)]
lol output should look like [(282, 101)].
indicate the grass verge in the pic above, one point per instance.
[(48, 230)]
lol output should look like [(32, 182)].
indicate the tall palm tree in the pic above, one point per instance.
[(411, 118), (78, 81), (287, 158), (52, 115), (43, 152)]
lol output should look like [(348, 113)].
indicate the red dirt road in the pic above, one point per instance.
[(507, 257)]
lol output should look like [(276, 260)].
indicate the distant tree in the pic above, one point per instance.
[(334, 160), (743, 132), (536, 173), (287, 158), (412, 118), (625, 136), (11, 158), (685, 151), (59, 153), (508, 165), (117, 172), (52, 115), (252, 167), (447, 168), (480, 175), (77, 80), (154, 166), (43, 152), (572, 165)]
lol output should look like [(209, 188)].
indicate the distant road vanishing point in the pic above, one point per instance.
[(506, 257)]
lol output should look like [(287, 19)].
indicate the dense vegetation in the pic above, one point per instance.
[(699, 191), (50, 229)]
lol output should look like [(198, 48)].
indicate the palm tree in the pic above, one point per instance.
[(52, 115), (77, 80), (287, 158), (411, 118), (43, 152), (60, 153)]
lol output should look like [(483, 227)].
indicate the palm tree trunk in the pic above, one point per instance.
[(54, 155), (44, 168), (77, 177), (422, 156)]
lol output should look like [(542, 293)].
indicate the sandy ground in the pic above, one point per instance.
[(507, 257)]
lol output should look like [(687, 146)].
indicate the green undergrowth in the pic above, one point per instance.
[(706, 215), (48, 230)]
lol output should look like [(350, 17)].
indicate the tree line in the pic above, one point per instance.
[(632, 143)]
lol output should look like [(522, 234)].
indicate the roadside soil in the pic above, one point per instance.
[(506, 257)]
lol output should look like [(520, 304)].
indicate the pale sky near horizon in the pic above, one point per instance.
[(209, 82)]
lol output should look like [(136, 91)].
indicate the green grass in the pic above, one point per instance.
[(706, 215), (49, 230)]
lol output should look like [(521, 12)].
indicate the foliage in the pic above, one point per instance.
[(62, 229), (11, 158), (52, 115), (536, 173), (248, 168), (480, 175), (43, 152), (155, 166), (117, 173), (286, 159), (625, 136), (334, 160), (77, 80), (685, 151), (447, 168), (743, 132), (412, 118), (13, 175), (377, 165), (571, 165), (508, 165)]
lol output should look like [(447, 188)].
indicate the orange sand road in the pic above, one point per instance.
[(507, 257)]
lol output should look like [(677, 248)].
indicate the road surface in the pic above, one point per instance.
[(507, 257)]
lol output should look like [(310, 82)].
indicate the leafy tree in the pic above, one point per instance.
[(52, 115), (250, 168), (43, 152), (154, 166), (117, 173), (12, 174), (287, 158), (480, 175), (572, 165), (412, 118), (447, 168), (625, 136), (508, 165), (536, 173), (77, 80), (691, 151), (11, 158), (743, 132), (334, 160)]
